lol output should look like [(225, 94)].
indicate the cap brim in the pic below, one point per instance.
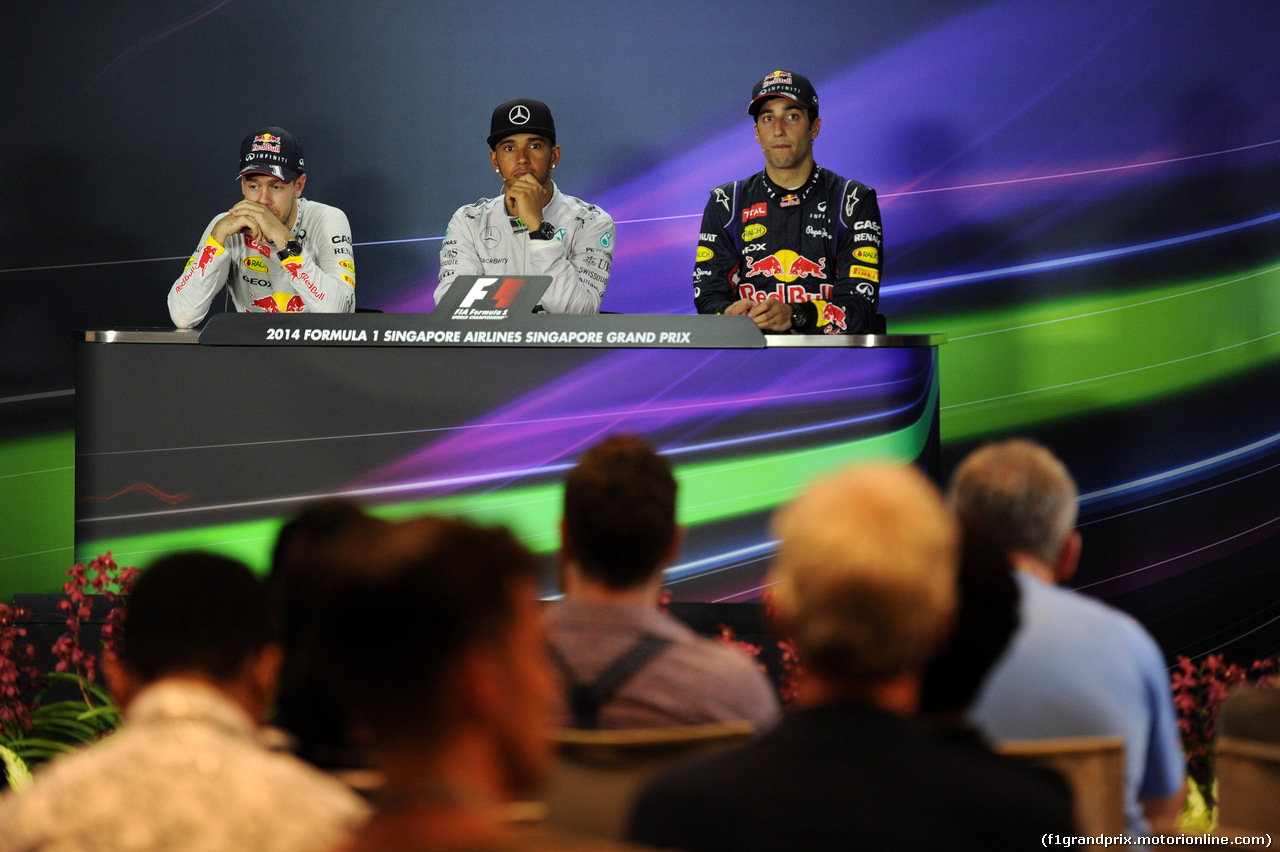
[(753, 108), (269, 169), (495, 138)]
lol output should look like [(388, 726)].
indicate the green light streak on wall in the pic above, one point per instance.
[(709, 492), (37, 486), (1015, 367)]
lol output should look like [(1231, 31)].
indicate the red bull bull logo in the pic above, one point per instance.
[(786, 265), (207, 254), (292, 265), (777, 77), (832, 318), (267, 142), (765, 266), (278, 303), (790, 200)]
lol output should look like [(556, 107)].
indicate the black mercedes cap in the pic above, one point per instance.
[(524, 115)]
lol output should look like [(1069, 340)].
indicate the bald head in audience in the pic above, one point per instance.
[(1022, 495)]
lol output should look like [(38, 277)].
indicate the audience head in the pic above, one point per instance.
[(1023, 495), (304, 582), (620, 513), (194, 615), (299, 558), (985, 623), (865, 577), (436, 639)]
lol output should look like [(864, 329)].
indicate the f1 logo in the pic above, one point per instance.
[(503, 298), (479, 290)]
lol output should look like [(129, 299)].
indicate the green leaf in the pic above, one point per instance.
[(15, 770), (111, 715), (38, 749)]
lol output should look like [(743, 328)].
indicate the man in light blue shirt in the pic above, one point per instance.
[(1076, 667)]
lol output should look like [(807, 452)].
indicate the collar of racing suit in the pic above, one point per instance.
[(803, 191)]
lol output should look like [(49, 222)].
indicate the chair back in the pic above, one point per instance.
[(1093, 768), (598, 773), (1248, 786)]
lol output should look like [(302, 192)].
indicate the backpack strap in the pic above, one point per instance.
[(586, 699)]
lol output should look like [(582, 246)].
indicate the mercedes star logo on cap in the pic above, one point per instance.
[(519, 114)]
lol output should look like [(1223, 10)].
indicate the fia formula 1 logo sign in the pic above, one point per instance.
[(490, 298)]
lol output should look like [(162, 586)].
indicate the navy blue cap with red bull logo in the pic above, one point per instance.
[(784, 84), (271, 151)]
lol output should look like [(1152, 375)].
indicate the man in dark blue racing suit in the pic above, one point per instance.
[(794, 247)]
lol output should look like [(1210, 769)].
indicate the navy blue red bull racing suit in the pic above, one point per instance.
[(817, 247)]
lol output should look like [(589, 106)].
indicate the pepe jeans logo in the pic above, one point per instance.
[(519, 114)]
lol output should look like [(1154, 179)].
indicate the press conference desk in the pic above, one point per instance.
[(209, 439)]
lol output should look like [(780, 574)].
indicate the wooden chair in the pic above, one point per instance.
[(1248, 787), (598, 773), (1093, 768)]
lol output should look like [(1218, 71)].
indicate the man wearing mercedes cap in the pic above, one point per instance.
[(275, 251), (532, 228), (796, 248)]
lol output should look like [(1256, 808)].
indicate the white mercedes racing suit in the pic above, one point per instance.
[(322, 278), (483, 240)]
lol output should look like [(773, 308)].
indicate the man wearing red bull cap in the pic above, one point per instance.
[(796, 247), (532, 228), (275, 251)]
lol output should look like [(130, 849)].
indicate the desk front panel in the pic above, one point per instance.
[(181, 446)]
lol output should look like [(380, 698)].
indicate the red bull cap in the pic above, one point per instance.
[(784, 84), (271, 151)]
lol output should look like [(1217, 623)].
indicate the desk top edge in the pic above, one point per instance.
[(771, 341)]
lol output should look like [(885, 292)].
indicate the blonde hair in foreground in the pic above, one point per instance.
[(865, 578)]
